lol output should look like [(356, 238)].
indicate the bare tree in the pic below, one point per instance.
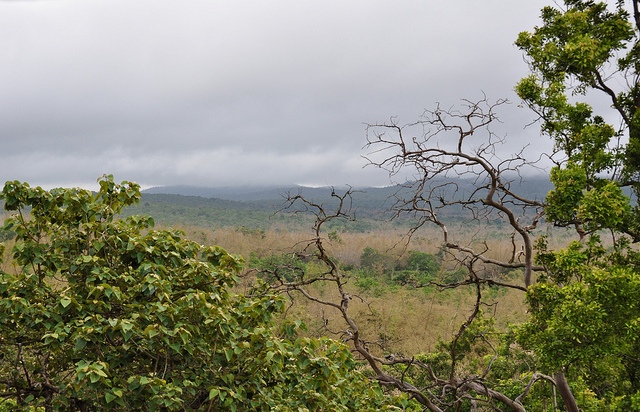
[(440, 159), (457, 147)]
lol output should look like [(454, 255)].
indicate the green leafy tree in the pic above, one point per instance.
[(109, 314), (581, 50), (287, 266), (419, 269), (584, 317), (585, 307), (423, 262), (376, 262)]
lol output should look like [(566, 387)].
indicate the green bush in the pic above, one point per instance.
[(376, 262), (285, 267), (107, 314)]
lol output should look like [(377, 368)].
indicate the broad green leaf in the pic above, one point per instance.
[(213, 393), (109, 397)]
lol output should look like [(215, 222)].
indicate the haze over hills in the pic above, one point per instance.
[(256, 206), (532, 187), (369, 202), (236, 193)]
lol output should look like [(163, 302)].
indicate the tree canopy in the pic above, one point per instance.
[(584, 308), (98, 313)]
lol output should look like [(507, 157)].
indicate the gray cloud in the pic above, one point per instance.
[(212, 93)]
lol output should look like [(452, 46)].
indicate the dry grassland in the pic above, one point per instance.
[(400, 319)]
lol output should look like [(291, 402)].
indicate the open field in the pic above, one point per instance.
[(384, 310)]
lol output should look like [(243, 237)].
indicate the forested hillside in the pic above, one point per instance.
[(257, 207)]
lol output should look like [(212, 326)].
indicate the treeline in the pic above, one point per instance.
[(263, 208)]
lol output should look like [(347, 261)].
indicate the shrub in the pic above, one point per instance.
[(107, 314)]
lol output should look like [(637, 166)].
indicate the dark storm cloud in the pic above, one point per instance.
[(226, 92)]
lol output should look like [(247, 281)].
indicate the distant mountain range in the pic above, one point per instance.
[(536, 188), (237, 193), (366, 202), (369, 202), (249, 193), (256, 207)]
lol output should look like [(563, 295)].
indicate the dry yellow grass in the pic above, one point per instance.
[(402, 320)]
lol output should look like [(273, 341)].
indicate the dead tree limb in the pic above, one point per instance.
[(455, 167)]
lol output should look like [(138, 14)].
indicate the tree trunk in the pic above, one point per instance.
[(565, 392)]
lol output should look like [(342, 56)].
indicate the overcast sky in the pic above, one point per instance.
[(218, 93)]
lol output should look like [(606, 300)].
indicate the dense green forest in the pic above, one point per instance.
[(263, 208), (466, 289)]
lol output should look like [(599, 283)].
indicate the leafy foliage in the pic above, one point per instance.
[(106, 314), (583, 316), (375, 261), (286, 267), (418, 268), (584, 307)]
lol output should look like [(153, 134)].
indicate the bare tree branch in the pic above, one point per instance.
[(456, 172), (442, 159)]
